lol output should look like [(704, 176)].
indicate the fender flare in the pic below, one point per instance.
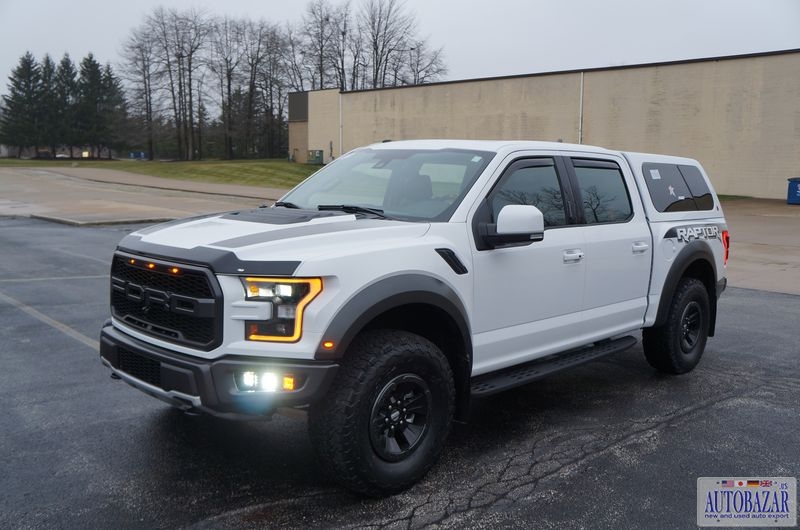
[(698, 250), (386, 294)]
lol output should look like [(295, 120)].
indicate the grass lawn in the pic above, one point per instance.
[(267, 173)]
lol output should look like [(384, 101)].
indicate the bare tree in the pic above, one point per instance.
[(319, 32), (180, 38), (225, 54), (425, 65), (339, 49), (294, 59), (272, 86), (255, 48), (249, 68), (158, 22), (358, 58), (386, 26), (140, 70), (195, 28)]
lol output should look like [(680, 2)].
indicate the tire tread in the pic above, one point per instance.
[(331, 420)]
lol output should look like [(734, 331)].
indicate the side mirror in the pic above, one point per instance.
[(516, 223)]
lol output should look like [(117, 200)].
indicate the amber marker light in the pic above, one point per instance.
[(151, 265), (175, 270), (132, 261), (328, 344), (288, 382)]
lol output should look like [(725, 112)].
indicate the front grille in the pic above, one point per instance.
[(179, 307), (140, 367)]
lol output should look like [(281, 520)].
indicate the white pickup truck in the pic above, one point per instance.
[(402, 279)]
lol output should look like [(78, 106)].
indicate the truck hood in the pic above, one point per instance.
[(264, 240)]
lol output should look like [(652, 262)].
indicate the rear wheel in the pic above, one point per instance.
[(677, 346), (389, 411)]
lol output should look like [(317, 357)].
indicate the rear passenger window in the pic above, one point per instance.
[(533, 182), (604, 195), (676, 188), (697, 185)]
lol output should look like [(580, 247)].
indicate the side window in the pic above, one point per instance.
[(533, 182), (697, 185), (604, 196), (667, 188)]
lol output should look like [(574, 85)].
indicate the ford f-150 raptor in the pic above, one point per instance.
[(405, 277)]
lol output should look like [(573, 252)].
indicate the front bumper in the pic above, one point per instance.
[(209, 385)]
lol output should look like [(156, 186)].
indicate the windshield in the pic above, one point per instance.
[(407, 184)]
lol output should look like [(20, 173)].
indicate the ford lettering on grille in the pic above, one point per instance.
[(148, 298)]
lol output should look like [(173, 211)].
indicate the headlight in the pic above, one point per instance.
[(288, 297)]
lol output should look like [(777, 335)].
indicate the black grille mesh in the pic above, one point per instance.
[(155, 319), (140, 367)]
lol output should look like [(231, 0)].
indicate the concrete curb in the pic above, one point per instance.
[(100, 222), (184, 190), (125, 178)]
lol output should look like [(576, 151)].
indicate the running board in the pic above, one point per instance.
[(492, 383)]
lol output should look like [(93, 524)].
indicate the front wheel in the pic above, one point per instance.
[(676, 346), (387, 416)]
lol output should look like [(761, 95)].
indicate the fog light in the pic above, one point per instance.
[(269, 382), (252, 381), (249, 380)]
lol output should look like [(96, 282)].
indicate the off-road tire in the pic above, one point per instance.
[(676, 346), (380, 366)]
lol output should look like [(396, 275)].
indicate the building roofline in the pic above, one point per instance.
[(577, 70)]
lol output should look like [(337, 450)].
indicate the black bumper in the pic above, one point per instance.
[(209, 385)]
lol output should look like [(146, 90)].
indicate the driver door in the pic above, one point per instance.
[(527, 297)]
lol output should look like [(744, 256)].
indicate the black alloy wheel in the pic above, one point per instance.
[(691, 321), (399, 419)]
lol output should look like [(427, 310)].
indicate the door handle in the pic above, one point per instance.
[(640, 247), (573, 255)]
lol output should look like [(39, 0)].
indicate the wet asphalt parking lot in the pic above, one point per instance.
[(611, 444)]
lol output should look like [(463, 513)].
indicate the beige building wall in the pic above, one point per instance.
[(532, 108), (323, 122), (298, 141), (739, 117)]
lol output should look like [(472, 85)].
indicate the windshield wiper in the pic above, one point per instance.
[(353, 208), (285, 204)]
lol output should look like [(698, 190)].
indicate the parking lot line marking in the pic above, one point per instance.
[(63, 328), (84, 256), (54, 278)]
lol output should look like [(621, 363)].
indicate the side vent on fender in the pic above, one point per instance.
[(452, 259)]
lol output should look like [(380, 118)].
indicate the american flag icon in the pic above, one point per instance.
[(727, 483)]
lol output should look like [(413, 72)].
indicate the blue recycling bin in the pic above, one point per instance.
[(793, 196)]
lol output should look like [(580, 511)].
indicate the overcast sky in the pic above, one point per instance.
[(481, 38)]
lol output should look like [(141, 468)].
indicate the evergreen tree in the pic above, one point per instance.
[(20, 122), (48, 125), (89, 123), (66, 91), (113, 112)]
